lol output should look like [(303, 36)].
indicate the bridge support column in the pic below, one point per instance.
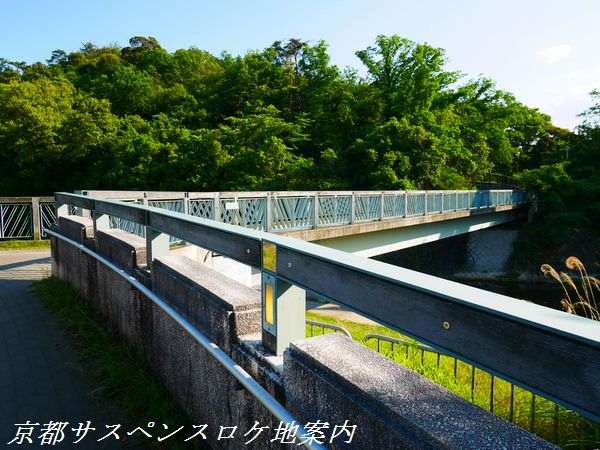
[(283, 306)]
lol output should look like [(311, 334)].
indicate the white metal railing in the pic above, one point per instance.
[(28, 217), (294, 211)]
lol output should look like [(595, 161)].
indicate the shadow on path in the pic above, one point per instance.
[(41, 378)]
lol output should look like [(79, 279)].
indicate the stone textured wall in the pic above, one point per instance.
[(329, 378)]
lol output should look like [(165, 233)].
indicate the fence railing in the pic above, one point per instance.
[(548, 352), (28, 217), (293, 211)]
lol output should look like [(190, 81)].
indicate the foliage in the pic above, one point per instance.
[(577, 300), (24, 245), (551, 422), (140, 117)]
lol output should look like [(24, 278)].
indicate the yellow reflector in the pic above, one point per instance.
[(269, 256), (269, 304)]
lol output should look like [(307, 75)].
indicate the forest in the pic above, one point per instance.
[(141, 117)]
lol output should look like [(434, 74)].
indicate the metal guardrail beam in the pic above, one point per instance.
[(551, 353), (234, 369)]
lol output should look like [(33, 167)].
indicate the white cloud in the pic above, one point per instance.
[(554, 54)]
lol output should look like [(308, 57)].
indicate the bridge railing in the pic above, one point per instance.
[(295, 211), (549, 352), (28, 217)]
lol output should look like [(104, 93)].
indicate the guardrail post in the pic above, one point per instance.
[(62, 210), (456, 201), (425, 206), (316, 211), (269, 213), (157, 245), (352, 207), (36, 220), (283, 305), (381, 208), (101, 221)]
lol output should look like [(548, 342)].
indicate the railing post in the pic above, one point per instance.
[(316, 210), (352, 207), (217, 207), (283, 305), (101, 221), (36, 220), (381, 207), (456, 201), (425, 206), (62, 210), (186, 203), (269, 213), (157, 245), (405, 203)]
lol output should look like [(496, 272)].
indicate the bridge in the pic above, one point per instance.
[(367, 223), (204, 333)]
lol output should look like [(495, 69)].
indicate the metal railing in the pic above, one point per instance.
[(243, 377), (529, 345), (295, 211), (326, 326), (28, 217), (409, 346)]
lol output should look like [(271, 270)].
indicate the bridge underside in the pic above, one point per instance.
[(411, 232)]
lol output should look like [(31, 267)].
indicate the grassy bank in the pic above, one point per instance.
[(121, 376), (24, 245), (538, 415)]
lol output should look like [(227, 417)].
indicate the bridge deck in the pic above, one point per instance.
[(41, 378)]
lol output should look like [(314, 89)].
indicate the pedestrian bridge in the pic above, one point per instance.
[(367, 223)]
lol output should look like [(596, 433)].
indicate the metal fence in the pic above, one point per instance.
[(294, 211), (26, 217), (503, 398), (265, 211)]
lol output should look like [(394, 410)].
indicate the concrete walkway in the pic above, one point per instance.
[(41, 378)]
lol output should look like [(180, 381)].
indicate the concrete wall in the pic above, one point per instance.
[(330, 378), (485, 252)]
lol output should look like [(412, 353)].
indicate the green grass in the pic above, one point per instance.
[(569, 431), (121, 375), (24, 245)]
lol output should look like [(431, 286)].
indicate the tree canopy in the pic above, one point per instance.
[(140, 117)]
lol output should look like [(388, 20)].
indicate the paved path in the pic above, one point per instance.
[(40, 376)]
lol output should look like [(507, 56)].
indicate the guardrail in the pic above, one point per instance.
[(243, 377), (549, 352)]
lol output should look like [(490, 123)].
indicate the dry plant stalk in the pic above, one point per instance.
[(578, 300)]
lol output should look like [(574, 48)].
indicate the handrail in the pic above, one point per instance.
[(527, 344), (314, 323), (252, 386), (393, 340)]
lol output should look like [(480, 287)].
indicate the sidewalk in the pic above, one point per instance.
[(41, 378)]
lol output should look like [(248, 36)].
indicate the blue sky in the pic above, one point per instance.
[(545, 52)]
